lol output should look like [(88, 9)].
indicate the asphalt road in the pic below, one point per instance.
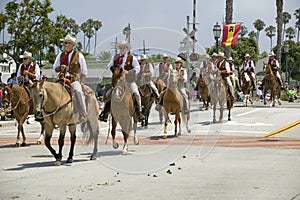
[(230, 160)]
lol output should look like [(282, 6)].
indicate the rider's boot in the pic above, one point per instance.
[(104, 114), (141, 117)]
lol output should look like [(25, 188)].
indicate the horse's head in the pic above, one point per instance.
[(7, 91), (38, 95), (119, 90), (173, 79), (116, 74)]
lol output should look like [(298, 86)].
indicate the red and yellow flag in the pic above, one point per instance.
[(230, 34)]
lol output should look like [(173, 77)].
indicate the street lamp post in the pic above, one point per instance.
[(286, 51), (217, 33)]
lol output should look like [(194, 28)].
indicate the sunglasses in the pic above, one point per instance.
[(67, 42), (25, 58)]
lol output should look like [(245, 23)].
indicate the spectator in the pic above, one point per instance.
[(13, 79)]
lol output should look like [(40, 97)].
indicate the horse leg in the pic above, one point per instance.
[(61, 142), (179, 123), (72, 130), (221, 111), (214, 112), (113, 133), (41, 138), (21, 129), (95, 131), (161, 117), (48, 135), (265, 101), (135, 138)]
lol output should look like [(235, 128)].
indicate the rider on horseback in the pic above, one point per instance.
[(224, 70), (71, 64), (249, 68), (273, 62), (145, 74), (164, 69), (28, 70), (130, 68)]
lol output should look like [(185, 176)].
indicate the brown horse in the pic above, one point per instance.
[(122, 111), (271, 84), (22, 106), (147, 99), (54, 105), (219, 94), (173, 104), (247, 88), (203, 90)]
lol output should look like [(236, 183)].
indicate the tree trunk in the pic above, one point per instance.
[(279, 5), (228, 20)]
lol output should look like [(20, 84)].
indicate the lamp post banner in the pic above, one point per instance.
[(230, 34)]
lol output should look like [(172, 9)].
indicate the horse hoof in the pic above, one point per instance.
[(17, 145), (189, 130), (124, 152), (165, 136), (23, 144), (229, 119), (57, 163), (93, 157), (115, 146), (136, 142), (69, 160)]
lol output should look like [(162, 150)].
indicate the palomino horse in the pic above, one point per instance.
[(219, 95), (247, 88), (21, 106), (203, 90), (54, 106), (147, 99), (272, 85), (173, 104), (122, 112)]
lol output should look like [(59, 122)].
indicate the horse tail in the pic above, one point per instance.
[(183, 118)]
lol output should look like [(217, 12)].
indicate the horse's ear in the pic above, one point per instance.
[(30, 84)]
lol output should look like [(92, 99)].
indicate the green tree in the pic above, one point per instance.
[(252, 35), (28, 24), (97, 26), (290, 33), (259, 26), (285, 20), (270, 32), (87, 28), (243, 31), (104, 56), (297, 26)]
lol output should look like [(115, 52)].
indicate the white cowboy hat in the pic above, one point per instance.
[(230, 58), (207, 56), (179, 60), (143, 57), (70, 39), (272, 54), (165, 55), (221, 54), (214, 54), (26, 54), (123, 43), (247, 55)]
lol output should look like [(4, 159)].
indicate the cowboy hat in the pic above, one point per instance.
[(143, 57), (207, 56), (230, 59), (70, 39), (123, 43), (221, 54), (247, 55), (272, 54), (26, 54), (214, 54), (165, 55), (179, 60)]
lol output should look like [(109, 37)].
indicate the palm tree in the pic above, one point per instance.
[(97, 26), (279, 18), (2, 24), (297, 15), (104, 56), (270, 32), (258, 25), (252, 34), (243, 31), (285, 20), (290, 33)]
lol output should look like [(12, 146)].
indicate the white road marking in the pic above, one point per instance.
[(246, 113)]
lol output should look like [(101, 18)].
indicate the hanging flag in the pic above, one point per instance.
[(230, 34)]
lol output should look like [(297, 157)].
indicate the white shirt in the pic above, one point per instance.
[(227, 66), (247, 64), (135, 63), (37, 71), (184, 74), (81, 61)]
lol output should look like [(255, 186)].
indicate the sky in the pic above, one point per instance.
[(160, 22)]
